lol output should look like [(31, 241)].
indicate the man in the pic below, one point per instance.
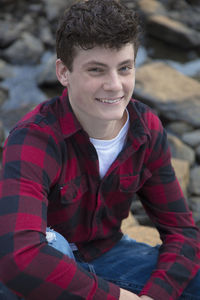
[(71, 168)]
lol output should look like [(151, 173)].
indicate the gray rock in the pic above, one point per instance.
[(6, 70), (45, 33), (198, 153), (172, 31), (55, 8), (3, 94), (194, 181), (180, 150), (26, 50), (179, 128), (192, 138), (194, 204), (47, 76), (9, 32), (173, 94), (2, 133)]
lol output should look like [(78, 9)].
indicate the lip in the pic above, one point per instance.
[(109, 100)]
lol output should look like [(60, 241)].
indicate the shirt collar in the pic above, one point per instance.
[(138, 130)]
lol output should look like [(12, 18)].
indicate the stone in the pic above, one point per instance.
[(194, 204), (9, 32), (128, 222), (174, 95), (192, 138), (26, 50), (6, 70), (194, 180), (182, 170), (47, 76), (3, 95), (151, 7), (180, 150), (45, 34), (178, 128), (198, 154), (55, 8), (2, 134), (172, 31), (144, 234)]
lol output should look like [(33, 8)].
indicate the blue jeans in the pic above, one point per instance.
[(128, 264)]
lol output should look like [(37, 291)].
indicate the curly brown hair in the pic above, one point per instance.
[(91, 23)]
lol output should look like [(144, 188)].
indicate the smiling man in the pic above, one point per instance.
[(70, 171)]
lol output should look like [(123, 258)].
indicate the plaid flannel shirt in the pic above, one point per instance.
[(50, 176)]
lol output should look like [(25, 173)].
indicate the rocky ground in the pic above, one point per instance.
[(167, 77)]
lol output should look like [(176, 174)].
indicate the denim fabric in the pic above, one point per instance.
[(129, 265)]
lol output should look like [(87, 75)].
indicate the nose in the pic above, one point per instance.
[(112, 82)]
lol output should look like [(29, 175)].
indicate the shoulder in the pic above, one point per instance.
[(43, 118), (147, 116)]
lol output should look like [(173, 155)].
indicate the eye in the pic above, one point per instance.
[(125, 69), (95, 70)]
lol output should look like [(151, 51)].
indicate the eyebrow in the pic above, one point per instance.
[(97, 63)]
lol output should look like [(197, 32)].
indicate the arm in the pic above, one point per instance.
[(164, 202), (28, 265)]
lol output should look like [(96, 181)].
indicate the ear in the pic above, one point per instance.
[(62, 72)]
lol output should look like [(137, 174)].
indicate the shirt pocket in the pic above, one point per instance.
[(73, 191), (131, 184)]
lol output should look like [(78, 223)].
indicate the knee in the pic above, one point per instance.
[(57, 241)]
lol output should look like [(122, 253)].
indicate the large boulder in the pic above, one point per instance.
[(26, 50), (173, 94)]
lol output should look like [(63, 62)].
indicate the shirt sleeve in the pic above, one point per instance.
[(28, 265), (163, 199)]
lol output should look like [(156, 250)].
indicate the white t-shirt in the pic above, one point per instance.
[(108, 150)]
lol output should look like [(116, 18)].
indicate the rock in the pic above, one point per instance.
[(143, 234), (22, 97), (172, 31), (182, 170), (2, 134), (128, 222), (198, 153), (3, 95), (47, 76), (139, 213), (194, 204), (9, 32), (6, 70), (179, 128), (151, 7), (192, 138), (194, 180), (173, 94), (180, 150), (45, 33), (26, 50), (55, 8)]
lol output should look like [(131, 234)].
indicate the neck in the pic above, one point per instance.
[(102, 130)]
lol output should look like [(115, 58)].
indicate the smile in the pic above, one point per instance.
[(110, 101)]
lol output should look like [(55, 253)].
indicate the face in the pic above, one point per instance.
[(100, 84)]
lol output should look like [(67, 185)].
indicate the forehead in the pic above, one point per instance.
[(104, 55)]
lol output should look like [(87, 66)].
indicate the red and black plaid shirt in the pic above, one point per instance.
[(50, 177)]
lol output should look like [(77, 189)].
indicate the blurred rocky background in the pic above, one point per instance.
[(167, 76)]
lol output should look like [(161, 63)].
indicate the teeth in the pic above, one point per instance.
[(109, 100)]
